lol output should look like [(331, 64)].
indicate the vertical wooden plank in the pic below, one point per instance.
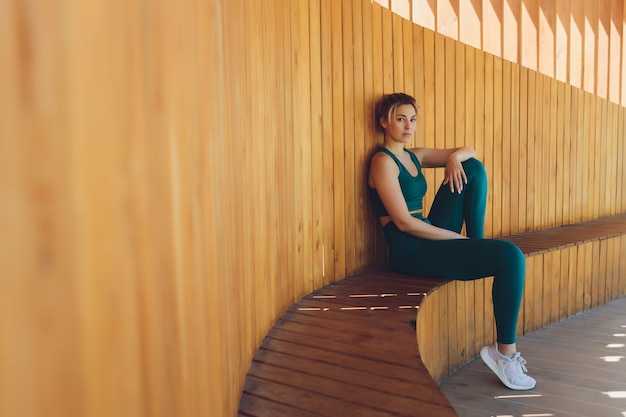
[(452, 323), (563, 286), (317, 150), (596, 180), (446, 332), (488, 136), (569, 153), (551, 150), (459, 92), (461, 312), (614, 193), (338, 142), (378, 86), (372, 237), (531, 163), (573, 188), (560, 155), (506, 140), (523, 148), (409, 70), (449, 97), (619, 157), (498, 144), (597, 281), (603, 279), (587, 150), (440, 104), (468, 350), (588, 276), (362, 116), (547, 296), (539, 276), (540, 140), (610, 269), (478, 106), (622, 265), (516, 156), (607, 154), (419, 80), (581, 148), (398, 55), (555, 283), (617, 249), (572, 281), (347, 156), (328, 185), (580, 278), (302, 65), (387, 51), (430, 108)]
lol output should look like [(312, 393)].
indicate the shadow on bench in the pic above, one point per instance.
[(349, 349)]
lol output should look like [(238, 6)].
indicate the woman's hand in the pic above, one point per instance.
[(454, 174)]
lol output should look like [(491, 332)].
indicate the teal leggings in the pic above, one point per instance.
[(465, 259)]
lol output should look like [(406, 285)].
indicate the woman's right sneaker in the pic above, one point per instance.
[(512, 372)]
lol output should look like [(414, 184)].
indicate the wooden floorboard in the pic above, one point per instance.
[(579, 364)]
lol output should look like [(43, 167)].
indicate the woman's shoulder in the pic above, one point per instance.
[(383, 160)]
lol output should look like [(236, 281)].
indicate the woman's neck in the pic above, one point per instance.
[(396, 148)]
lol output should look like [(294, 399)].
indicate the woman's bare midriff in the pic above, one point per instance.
[(386, 219)]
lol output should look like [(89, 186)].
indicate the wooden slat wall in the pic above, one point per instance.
[(176, 174)]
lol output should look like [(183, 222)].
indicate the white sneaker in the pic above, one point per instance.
[(510, 371)]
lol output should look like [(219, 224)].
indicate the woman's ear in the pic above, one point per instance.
[(383, 122)]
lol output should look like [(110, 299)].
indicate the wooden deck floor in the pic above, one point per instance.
[(579, 364)]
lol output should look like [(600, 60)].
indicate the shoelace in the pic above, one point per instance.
[(519, 361)]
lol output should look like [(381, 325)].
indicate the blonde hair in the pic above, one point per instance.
[(388, 105)]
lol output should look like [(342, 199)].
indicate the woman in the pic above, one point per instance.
[(433, 246)]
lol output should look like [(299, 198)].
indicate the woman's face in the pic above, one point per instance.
[(402, 124)]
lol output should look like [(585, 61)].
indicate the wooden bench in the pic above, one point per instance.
[(349, 349)]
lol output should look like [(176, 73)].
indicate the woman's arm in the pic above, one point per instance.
[(384, 178), (451, 159)]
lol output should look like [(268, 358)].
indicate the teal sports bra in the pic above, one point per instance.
[(413, 188)]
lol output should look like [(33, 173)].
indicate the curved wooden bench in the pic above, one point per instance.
[(569, 269), (348, 349)]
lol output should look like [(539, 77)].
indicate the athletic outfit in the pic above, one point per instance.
[(461, 259)]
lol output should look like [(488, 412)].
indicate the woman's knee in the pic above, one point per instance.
[(473, 167), (512, 256)]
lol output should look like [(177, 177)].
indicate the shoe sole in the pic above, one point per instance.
[(484, 355)]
